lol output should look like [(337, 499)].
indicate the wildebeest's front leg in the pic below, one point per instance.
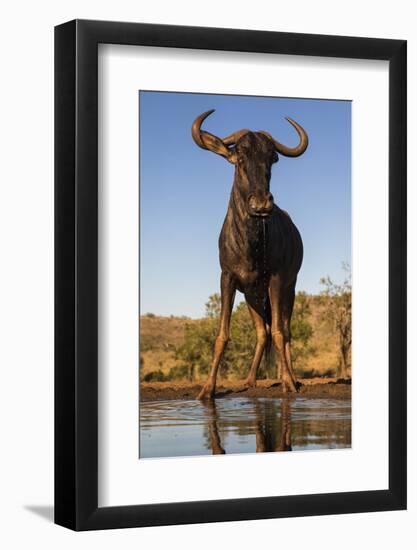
[(277, 332), (228, 289)]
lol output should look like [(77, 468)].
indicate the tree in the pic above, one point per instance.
[(239, 352), (197, 349), (301, 329), (338, 310), (213, 306)]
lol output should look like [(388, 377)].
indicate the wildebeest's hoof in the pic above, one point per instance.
[(288, 386), (249, 383), (206, 393)]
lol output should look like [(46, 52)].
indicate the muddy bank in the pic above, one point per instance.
[(314, 387)]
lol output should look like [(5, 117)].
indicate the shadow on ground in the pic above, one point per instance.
[(45, 512)]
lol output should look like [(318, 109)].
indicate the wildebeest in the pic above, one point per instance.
[(261, 250)]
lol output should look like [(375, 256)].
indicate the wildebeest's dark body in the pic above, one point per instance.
[(260, 247), (254, 248)]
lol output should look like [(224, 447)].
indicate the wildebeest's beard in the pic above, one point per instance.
[(258, 245)]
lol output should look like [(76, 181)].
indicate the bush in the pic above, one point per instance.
[(314, 373), (155, 376), (181, 372)]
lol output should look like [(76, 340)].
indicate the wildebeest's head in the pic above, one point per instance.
[(253, 154)]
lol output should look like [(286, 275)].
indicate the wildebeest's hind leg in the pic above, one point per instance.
[(261, 339), (277, 331), (288, 297), (228, 289)]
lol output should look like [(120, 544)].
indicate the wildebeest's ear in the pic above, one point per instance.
[(216, 145), (208, 141)]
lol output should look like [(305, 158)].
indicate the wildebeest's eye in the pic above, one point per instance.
[(274, 157)]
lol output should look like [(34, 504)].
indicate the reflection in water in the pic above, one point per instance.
[(270, 437), (213, 430), (266, 431), (243, 425)]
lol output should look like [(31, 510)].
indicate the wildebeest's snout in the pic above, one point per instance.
[(260, 205)]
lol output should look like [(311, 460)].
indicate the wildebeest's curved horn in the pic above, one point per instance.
[(208, 141), (292, 151)]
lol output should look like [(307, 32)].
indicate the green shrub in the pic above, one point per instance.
[(155, 376)]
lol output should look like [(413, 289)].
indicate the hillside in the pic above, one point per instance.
[(159, 338)]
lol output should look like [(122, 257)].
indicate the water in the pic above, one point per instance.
[(243, 425)]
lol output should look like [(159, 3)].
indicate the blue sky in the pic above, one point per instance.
[(184, 191)]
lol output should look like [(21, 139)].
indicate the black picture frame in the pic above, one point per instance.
[(76, 272)]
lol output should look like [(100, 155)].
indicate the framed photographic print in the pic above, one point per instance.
[(230, 275)]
